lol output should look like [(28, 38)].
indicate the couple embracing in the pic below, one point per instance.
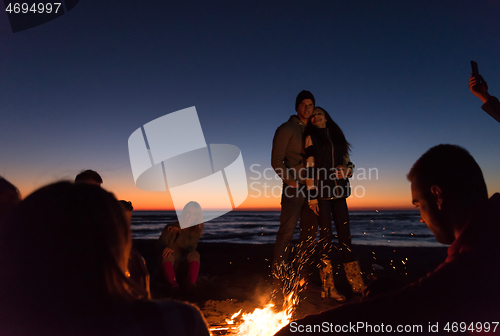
[(311, 155)]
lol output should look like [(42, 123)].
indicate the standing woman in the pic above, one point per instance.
[(329, 169)]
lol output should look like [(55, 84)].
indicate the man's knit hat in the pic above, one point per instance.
[(303, 95)]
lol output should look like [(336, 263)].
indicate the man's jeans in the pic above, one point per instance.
[(293, 207)]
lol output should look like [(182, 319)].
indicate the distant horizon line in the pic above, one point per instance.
[(279, 209)]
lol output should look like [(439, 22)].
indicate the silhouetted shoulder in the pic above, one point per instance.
[(492, 107)]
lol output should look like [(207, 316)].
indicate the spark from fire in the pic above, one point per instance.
[(270, 319)]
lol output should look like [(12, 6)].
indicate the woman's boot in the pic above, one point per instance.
[(353, 274), (327, 285), (168, 271), (193, 270)]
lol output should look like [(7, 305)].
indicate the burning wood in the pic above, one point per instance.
[(269, 319), (265, 321)]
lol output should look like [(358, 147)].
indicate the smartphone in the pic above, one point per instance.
[(475, 71)]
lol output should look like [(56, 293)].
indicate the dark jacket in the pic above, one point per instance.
[(321, 160), (287, 156), (492, 107)]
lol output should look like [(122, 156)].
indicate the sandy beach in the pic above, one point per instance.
[(238, 276)]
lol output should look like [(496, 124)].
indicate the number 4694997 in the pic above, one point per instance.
[(34, 8), (473, 327)]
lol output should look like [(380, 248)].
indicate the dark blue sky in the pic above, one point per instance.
[(393, 74)]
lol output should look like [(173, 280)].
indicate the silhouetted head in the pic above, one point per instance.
[(9, 197), (127, 209), (304, 104), (191, 215), (447, 185), (65, 249), (89, 176), (321, 119)]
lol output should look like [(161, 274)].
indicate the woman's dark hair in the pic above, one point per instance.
[(64, 248), (342, 147)]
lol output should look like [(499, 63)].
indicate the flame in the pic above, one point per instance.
[(231, 320), (265, 321)]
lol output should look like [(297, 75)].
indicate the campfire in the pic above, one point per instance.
[(269, 318), (264, 321)]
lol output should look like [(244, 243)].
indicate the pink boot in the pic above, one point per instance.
[(168, 271), (193, 270)]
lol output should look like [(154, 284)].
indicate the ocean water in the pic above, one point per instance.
[(389, 228)]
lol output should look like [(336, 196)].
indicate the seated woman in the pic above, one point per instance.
[(178, 248), (63, 255)]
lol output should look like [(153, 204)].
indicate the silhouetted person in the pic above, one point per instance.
[(136, 263), (448, 187), (491, 105), (63, 260), (329, 169), (89, 176), (287, 160), (179, 257), (9, 197)]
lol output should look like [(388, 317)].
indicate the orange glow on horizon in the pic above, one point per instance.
[(375, 197), (273, 204)]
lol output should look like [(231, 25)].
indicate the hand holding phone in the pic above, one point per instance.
[(475, 73), (475, 70), (477, 84)]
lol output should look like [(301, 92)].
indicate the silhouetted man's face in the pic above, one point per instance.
[(305, 109), (429, 204)]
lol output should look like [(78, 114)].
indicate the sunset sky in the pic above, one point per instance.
[(393, 74)]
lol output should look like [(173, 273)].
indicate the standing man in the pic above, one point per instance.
[(287, 160)]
